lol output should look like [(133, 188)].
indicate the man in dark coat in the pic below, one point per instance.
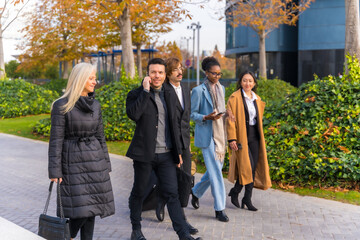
[(180, 107), (154, 147)]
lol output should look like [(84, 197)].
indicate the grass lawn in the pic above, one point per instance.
[(352, 197), (118, 147), (22, 126)]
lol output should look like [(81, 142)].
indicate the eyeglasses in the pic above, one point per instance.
[(178, 69), (216, 74)]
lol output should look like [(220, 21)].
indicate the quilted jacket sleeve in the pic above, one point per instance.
[(101, 138), (57, 134)]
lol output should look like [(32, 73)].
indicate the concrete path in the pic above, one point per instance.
[(24, 187)]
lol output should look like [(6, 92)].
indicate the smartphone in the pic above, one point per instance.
[(220, 113)]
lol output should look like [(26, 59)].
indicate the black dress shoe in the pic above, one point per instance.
[(190, 238), (194, 201), (160, 213), (221, 216), (137, 235), (192, 230)]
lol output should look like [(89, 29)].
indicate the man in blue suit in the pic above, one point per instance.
[(208, 111)]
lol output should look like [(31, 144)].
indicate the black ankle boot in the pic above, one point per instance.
[(247, 197), (194, 201), (221, 216), (137, 235)]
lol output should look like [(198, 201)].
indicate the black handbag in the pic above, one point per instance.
[(54, 228), (184, 186)]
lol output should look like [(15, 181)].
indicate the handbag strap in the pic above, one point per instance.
[(58, 198)]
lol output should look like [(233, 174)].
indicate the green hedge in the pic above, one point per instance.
[(20, 98), (313, 137), (42, 127), (112, 97), (56, 85)]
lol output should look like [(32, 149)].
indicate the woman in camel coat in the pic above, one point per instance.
[(248, 162)]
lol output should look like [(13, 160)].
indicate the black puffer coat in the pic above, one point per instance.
[(78, 154)]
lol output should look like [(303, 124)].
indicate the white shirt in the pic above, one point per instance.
[(178, 91), (251, 107)]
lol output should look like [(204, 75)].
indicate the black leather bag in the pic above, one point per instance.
[(151, 196), (54, 228), (184, 186)]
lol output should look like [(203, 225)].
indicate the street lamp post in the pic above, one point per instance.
[(196, 26), (193, 38), (187, 56)]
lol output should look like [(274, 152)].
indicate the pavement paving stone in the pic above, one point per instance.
[(281, 215)]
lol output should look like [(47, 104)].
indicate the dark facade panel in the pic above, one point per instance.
[(321, 63), (322, 26), (282, 65)]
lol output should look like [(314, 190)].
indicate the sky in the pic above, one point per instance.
[(212, 31)]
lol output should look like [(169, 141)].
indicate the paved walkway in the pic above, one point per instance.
[(24, 185)]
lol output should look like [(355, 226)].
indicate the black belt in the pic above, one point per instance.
[(87, 140)]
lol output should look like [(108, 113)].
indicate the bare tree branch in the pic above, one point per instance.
[(15, 16), (3, 9)]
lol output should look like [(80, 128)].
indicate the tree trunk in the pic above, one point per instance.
[(262, 55), (352, 31), (138, 63), (126, 43), (2, 60), (65, 73)]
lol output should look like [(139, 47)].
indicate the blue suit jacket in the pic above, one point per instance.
[(201, 105)]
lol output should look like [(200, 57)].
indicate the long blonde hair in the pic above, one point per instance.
[(76, 84)]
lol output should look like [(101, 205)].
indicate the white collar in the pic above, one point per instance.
[(254, 97), (179, 87)]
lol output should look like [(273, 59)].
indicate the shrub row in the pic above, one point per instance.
[(313, 137), (20, 98), (112, 97)]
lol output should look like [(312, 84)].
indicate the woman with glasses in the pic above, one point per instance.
[(248, 163), (208, 111)]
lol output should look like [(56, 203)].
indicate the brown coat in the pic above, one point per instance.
[(239, 161)]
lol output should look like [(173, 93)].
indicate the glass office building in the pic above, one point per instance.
[(294, 53)]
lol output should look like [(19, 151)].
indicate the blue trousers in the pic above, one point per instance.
[(212, 177)]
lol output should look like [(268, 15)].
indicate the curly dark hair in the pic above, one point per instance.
[(208, 62), (238, 84)]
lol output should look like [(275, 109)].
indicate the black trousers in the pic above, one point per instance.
[(186, 166), (165, 170), (253, 143), (253, 148), (85, 224)]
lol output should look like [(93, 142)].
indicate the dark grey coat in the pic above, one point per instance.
[(78, 154)]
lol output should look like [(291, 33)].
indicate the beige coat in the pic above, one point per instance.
[(239, 161)]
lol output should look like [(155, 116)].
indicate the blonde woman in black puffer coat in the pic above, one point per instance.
[(78, 155)]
